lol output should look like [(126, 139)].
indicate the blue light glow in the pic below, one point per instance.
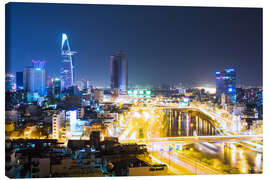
[(64, 38), (229, 70)]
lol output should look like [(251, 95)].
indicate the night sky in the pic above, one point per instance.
[(164, 44)]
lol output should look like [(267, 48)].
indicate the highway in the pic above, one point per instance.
[(178, 163), (149, 119), (195, 139)]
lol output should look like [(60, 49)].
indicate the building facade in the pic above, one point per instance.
[(226, 86), (67, 69), (56, 88), (35, 78), (19, 80), (10, 82), (119, 72), (58, 125), (98, 94)]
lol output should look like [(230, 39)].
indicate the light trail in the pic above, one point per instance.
[(174, 170), (177, 161), (194, 139), (149, 119), (257, 149)]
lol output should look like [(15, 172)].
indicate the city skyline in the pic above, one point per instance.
[(226, 44), (132, 91)]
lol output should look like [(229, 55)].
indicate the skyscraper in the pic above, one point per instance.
[(35, 78), (67, 69), (119, 72), (56, 88), (226, 86), (10, 82), (19, 80)]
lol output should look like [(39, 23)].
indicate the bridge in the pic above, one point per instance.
[(167, 129), (184, 121), (195, 139), (174, 125)]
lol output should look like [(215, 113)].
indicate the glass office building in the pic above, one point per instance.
[(226, 86), (119, 72), (35, 78)]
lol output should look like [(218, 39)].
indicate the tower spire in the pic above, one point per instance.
[(67, 68)]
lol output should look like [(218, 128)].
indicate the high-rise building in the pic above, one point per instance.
[(72, 91), (226, 86), (58, 125), (49, 82), (19, 80), (10, 82), (181, 89), (71, 118), (119, 72), (56, 88), (35, 78), (67, 68), (88, 84), (81, 84), (98, 94)]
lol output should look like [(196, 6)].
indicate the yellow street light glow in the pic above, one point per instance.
[(136, 115), (146, 115)]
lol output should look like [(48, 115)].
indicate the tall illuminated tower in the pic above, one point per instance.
[(35, 78), (119, 72), (67, 68), (226, 86)]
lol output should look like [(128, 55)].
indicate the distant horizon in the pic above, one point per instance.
[(164, 45)]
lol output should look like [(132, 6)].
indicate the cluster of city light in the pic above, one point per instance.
[(210, 90), (165, 147), (139, 92)]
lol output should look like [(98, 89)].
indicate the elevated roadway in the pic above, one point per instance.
[(195, 139)]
